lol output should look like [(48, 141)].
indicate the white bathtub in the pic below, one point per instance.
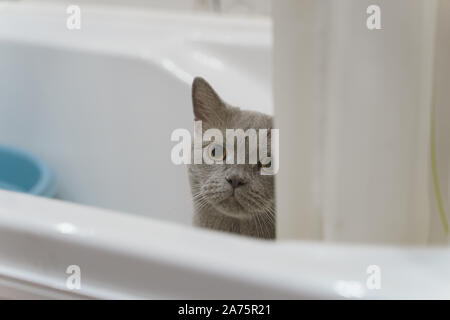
[(99, 104)]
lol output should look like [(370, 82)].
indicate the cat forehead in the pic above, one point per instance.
[(244, 119)]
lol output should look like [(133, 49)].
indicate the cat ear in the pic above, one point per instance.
[(208, 106)]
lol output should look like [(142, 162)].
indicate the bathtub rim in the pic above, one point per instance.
[(15, 217), (26, 220)]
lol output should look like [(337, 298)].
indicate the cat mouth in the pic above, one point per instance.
[(231, 207), (232, 199)]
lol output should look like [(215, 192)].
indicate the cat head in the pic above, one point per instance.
[(235, 190)]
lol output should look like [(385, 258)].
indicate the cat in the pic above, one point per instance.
[(233, 198)]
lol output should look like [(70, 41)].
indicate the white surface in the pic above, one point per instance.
[(377, 124), (295, 86), (238, 7), (99, 106), (358, 103), (79, 99), (126, 256)]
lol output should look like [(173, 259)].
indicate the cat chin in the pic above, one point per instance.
[(235, 215), (233, 209)]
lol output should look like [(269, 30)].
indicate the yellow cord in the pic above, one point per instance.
[(434, 169)]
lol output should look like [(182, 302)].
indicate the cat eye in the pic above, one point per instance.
[(265, 163), (216, 152)]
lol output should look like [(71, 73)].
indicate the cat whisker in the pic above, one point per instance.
[(201, 203)]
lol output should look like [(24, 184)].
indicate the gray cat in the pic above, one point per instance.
[(230, 197)]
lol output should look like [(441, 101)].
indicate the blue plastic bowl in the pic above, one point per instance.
[(22, 172)]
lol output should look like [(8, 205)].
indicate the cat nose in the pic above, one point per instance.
[(235, 181)]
